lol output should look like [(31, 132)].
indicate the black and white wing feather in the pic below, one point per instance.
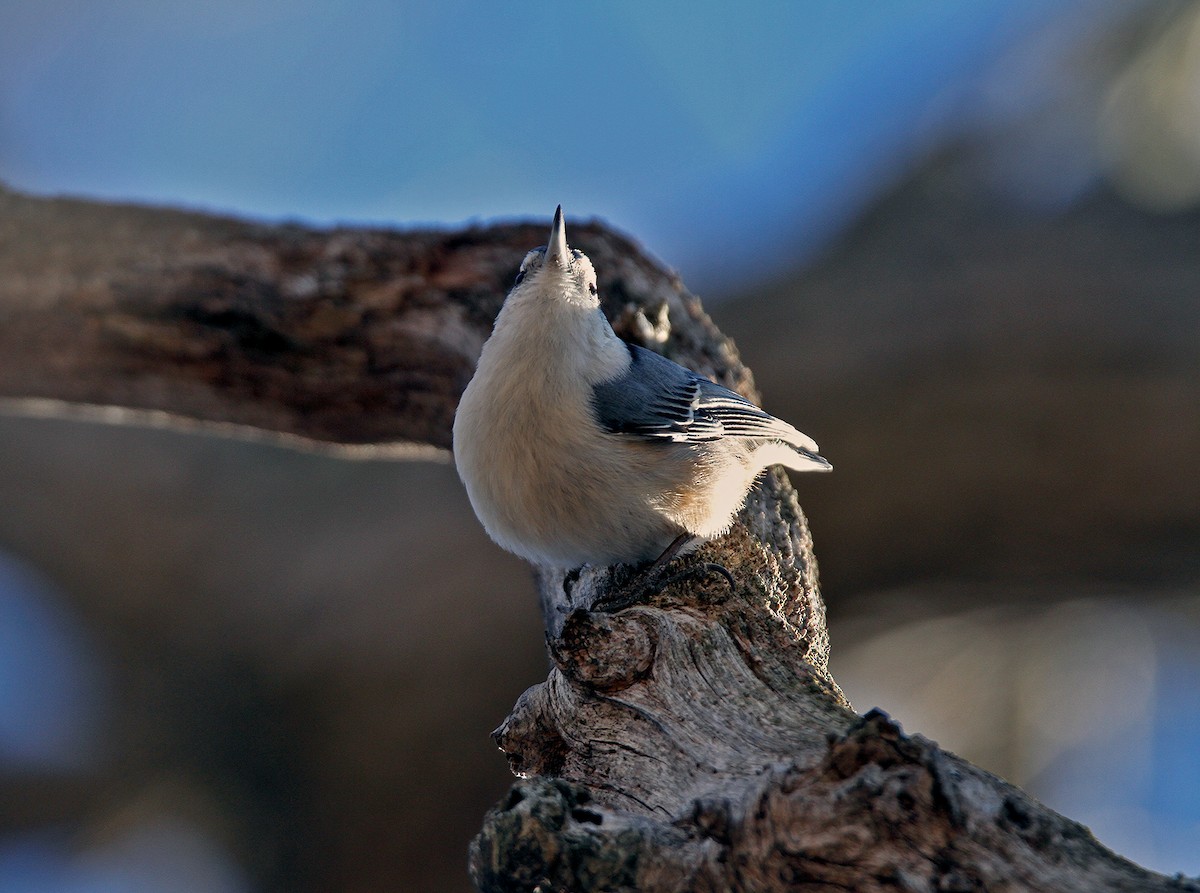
[(658, 399)]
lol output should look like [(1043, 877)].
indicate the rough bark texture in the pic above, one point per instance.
[(695, 742)]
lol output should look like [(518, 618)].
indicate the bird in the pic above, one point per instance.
[(578, 448)]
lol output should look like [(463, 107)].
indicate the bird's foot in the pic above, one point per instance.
[(654, 580), (701, 570)]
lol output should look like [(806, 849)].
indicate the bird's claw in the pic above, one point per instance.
[(652, 582)]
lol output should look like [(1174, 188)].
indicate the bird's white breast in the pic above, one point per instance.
[(544, 478)]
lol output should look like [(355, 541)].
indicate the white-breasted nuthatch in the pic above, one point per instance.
[(578, 448)]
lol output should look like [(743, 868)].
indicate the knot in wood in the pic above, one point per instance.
[(530, 738), (604, 652)]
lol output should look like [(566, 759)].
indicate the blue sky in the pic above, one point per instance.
[(726, 143)]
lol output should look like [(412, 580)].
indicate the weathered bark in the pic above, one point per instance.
[(696, 742)]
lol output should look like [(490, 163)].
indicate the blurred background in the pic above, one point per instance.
[(959, 244)]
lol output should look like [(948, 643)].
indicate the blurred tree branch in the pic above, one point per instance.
[(694, 743)]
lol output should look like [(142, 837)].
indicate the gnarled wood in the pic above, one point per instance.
[(696, 742)]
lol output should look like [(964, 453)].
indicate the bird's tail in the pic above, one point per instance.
[(810, 461), (793, 455), (801, 453)]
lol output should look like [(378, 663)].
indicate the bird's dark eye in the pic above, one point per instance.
[(592, 287), (520, 276)]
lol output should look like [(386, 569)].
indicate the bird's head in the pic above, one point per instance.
[(558, 272)]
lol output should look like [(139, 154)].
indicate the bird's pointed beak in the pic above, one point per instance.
[(556, 248)]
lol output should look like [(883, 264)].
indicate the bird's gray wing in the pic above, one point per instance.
[(658, 399)]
